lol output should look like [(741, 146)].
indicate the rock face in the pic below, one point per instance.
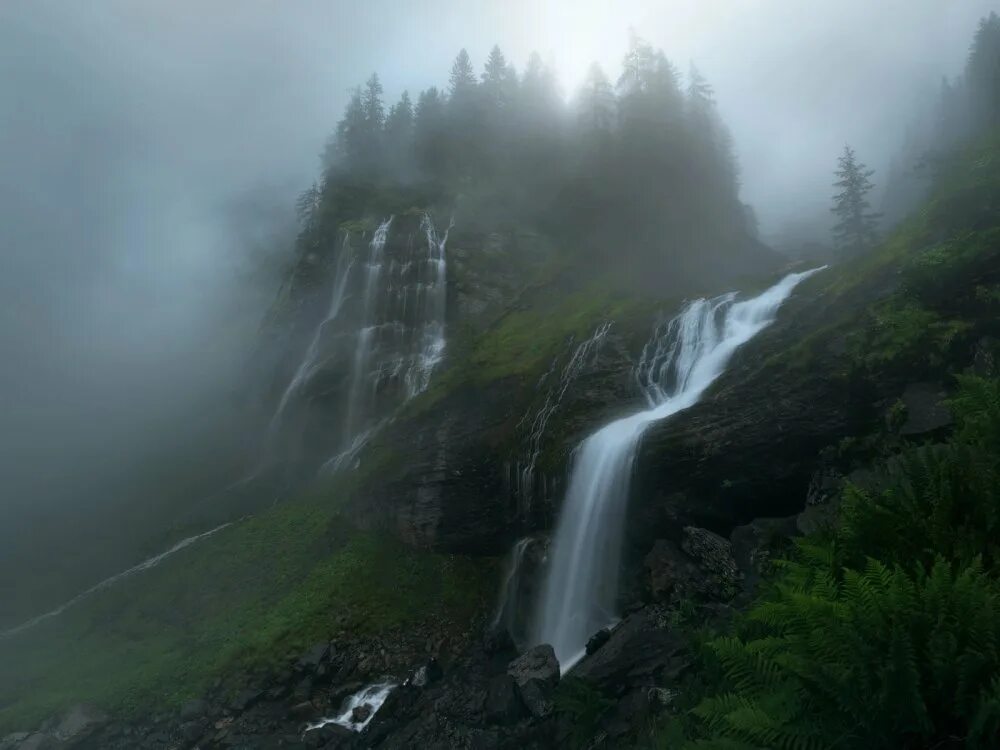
[(700, 567), (750, 446), (640, 653), (536, 664)]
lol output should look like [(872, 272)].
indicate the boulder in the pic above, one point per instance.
[(714, 554), (313, 658), (701, 567), (502, 704), (537, 697), (538, 663), (361, 713), (639, 653), (597, 640)]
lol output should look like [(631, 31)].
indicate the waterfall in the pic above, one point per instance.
[(507, 605), (432, 296), (684, 357), (345, 263), (151, 562), (357, 397), (381, 339), (583, 356)]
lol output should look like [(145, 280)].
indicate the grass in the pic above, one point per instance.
[(245, 599)]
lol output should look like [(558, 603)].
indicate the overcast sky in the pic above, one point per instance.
[(144, 144)]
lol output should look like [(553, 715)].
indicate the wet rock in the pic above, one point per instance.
[(597, 640), (538, 663), (715, 555), (340, 692), (925, 412), (361, 713), (433, 671), (639, 653), (311, 659), (537, 697), (503, 702)]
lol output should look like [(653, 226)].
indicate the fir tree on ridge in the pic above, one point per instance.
[(857, 227)]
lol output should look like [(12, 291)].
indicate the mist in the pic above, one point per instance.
[(152, 153)]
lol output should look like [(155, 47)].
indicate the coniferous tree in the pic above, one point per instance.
[(349, 144), (857, 227), (399, 135), (372, 106), (428, 132), (462, 81), (982, 73), (494, 80), (596, 102)]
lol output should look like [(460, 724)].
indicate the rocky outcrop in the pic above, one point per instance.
[(701, 568)]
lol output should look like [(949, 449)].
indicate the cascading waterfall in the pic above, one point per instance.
[(357, 395), (431, 299), (583, 356), (345, 262), (401, 338), (507, 605), (579, 594)]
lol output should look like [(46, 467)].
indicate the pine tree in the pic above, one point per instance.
[(596, 102), (701, 95), (372, 106), (399, 123), (399, 134), (637, 66), (856, 230), (428, 131), (463, 80), (982, 73), (495, 80), (349, 144)]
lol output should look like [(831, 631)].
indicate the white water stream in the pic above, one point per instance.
[(373, 696), (579, 594)]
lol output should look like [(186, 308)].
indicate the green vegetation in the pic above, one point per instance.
[(882, 632), (583, 705), (932, 282), (243, 600)]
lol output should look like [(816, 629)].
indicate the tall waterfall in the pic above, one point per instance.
[(579, 594), (345, 262)]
